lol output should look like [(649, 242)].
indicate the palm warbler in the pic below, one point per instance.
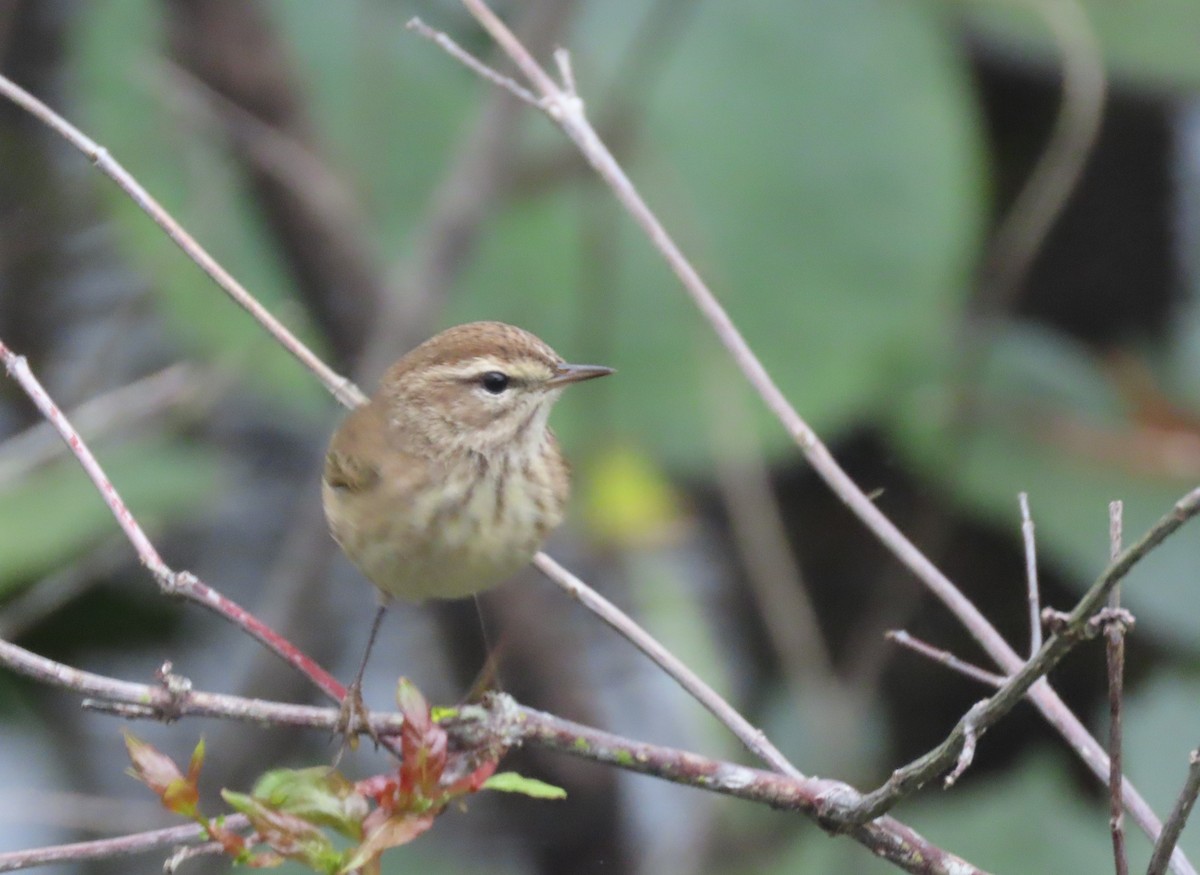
[(449, 479)]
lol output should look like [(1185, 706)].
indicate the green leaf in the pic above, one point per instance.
[(150, 766), (318, 794), (511, 782), (289, 835), (55, 514), (196, 763)]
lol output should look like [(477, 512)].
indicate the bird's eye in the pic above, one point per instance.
[(494, 382)]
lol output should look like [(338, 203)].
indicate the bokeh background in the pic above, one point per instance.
[(837, 171)]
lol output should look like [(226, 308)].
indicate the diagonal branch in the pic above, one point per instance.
[(174, 583), (107, 849), (1177, 820), (986, 713), (341, 388), (945, 657), (754, 739)]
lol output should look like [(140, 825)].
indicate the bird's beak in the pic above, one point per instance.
[(565, 374)]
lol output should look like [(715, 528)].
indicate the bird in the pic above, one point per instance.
[(449, 479)]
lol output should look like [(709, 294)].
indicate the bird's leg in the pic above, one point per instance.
[(488, 677), (354, 716)]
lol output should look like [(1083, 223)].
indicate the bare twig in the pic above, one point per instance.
[(1115, 660), (971, 732), (1115, 534), (1173, 828), (159, 702), (1031, 577), (191, 852), (170, 582), (752, 738), (454, 50), (886, 837), (342, 389), (906, 779), (105, 849), (946, 658)]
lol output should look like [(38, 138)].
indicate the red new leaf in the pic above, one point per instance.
[(158, 771), (422, 748)]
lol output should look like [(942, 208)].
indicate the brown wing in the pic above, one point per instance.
[(349, 473), (364, 452), (351, 464)]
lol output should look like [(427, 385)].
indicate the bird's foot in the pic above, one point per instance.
[(354, 720)]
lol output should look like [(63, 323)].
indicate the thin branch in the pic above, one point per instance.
[(1114, 650), (1115, 534), (106, 849), (1031, 577), (1177, 820), (190, 852), (751, 737), (970, 733), (908, 778), (339, 386), (170, 582), (886, 837), (169, 701), (946, 658), (454, 50)]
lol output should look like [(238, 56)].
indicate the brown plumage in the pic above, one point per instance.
[(450, 479)]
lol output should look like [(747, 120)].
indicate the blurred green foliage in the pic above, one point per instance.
[(54, 514)]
